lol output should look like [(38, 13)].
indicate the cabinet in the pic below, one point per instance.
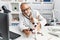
[(45, 8)]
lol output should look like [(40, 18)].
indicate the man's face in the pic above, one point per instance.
[(25, 9)]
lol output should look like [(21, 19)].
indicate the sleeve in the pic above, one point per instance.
[(21, 23), (41, 19)]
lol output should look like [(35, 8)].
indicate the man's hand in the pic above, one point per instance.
[(38, 26), (31, 19), (26, 32)]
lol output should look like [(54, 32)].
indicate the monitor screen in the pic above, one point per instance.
[(3, 26)]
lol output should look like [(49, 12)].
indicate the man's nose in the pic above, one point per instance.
[(26, 11)]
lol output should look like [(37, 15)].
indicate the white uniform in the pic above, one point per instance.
[(24, 22)]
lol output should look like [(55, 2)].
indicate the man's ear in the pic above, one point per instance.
[(22, 30)]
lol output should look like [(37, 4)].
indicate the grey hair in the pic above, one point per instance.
[(23, 4)]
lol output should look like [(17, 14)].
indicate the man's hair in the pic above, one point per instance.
[(23, 4)]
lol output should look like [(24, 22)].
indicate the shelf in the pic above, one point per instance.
[(40, 2), (14, 24), (6, 0), (57, 23), (15, 12), (14, 6), (37, 2), (14, 21), (47, 2), (20, 0)]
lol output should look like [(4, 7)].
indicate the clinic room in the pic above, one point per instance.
[(29, 19)]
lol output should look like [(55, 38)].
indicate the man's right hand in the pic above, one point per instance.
[(26, 32), (31, 19)]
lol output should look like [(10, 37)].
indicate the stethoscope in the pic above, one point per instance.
[(24, 18)]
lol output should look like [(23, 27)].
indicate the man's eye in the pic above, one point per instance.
[(25, 9)]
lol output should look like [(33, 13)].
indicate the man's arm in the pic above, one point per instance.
[(23, 28), (41, 19)]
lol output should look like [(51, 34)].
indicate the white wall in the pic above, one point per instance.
[(57, 9), (57, 4), (2, 3)]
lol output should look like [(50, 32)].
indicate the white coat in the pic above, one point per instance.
[(24, 22)]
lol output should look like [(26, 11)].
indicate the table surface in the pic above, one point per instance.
[(44, 31)]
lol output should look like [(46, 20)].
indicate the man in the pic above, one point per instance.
[(30, 18)]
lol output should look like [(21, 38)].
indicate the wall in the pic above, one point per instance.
[(57, 9)]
